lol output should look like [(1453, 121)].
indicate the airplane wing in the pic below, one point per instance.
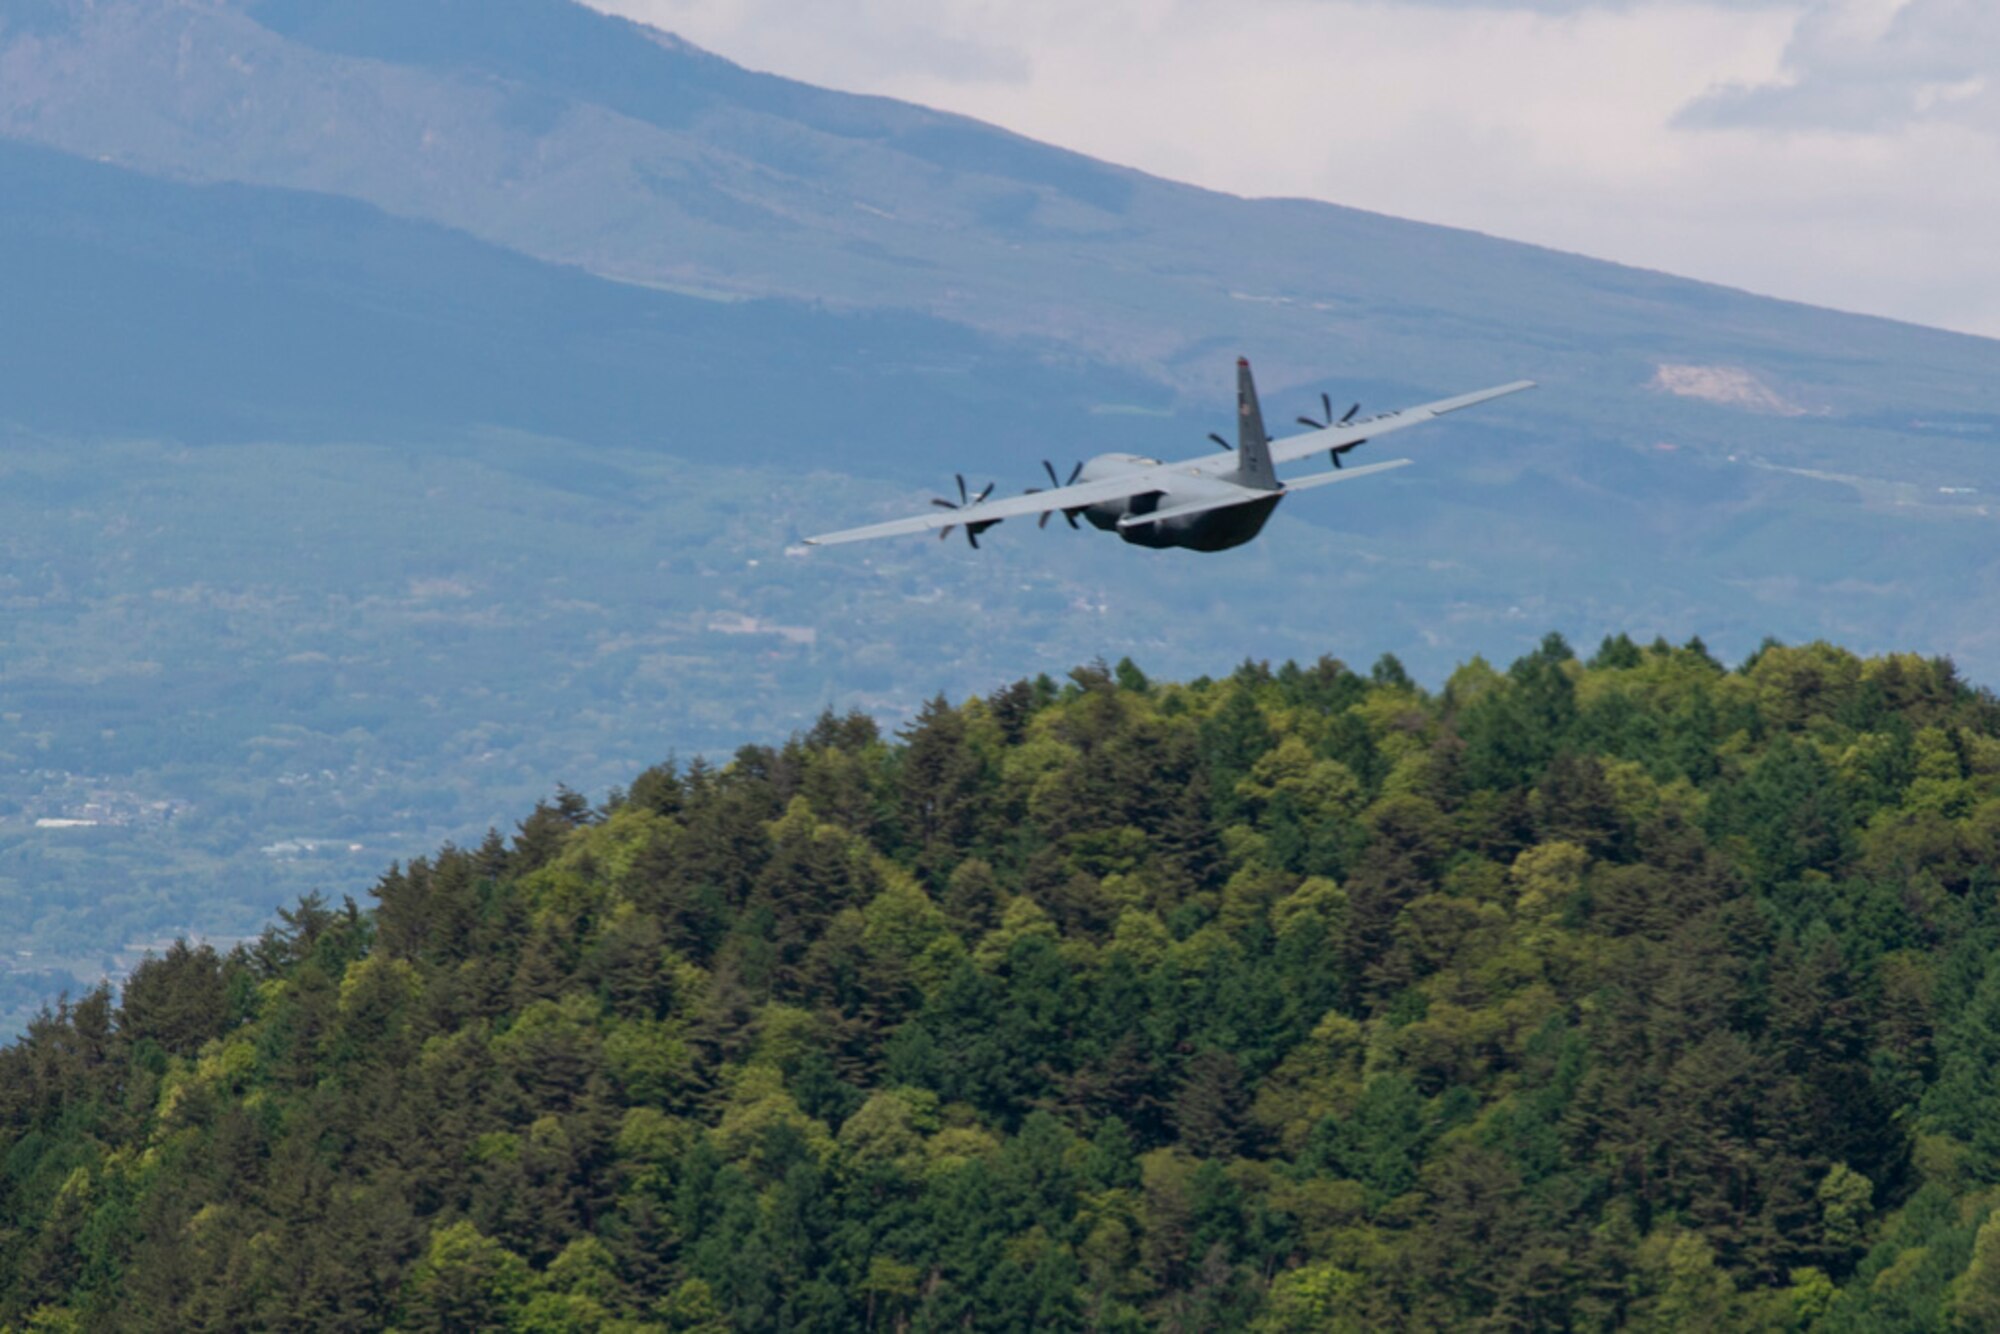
[(1314, 442), (1136, 483)]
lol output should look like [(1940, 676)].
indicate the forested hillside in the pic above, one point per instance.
[(1638, 994)]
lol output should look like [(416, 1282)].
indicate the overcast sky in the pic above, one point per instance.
[(1843, 152)]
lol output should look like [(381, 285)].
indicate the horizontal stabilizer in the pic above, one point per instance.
[(1243, 495), (1247, 495), (1312, 480)]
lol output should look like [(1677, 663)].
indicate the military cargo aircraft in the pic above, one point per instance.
[(1205, 504)]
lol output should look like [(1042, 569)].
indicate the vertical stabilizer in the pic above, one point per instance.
[(1253, 446)]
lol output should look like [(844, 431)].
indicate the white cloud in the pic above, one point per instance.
[(1868, 66), (859, 45), (1834, 151)]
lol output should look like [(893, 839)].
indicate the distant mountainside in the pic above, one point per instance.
[(403, 404), (589, 140), (209, 313)]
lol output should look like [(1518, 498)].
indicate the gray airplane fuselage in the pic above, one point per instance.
[(1215, 530)]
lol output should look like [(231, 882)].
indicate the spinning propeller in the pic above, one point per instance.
[(972, 530), (1050, 468), (1326, 407)]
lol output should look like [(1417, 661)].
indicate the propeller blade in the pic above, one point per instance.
[(1326, 412), (1326, 406), (1055, 480), (965, 500), (1220, 441)]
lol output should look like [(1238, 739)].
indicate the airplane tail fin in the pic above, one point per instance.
[(1253, 446)]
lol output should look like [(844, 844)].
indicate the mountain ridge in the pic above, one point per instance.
[(144, 305)]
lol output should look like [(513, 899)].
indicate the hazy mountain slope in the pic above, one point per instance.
[(591, 140), (226, 312), (568, 135)]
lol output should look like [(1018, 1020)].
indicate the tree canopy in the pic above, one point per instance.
[(1628, 993)]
